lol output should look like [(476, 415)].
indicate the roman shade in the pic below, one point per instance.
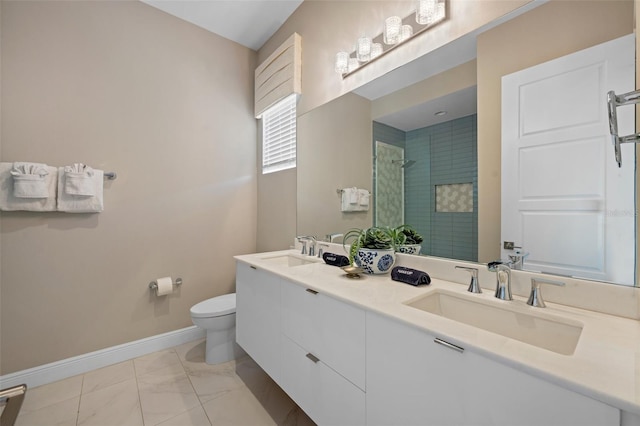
[(279, 75)]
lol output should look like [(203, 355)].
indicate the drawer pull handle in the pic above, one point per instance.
[(312, 357), (252, 267), (312, 291), (449, 345)]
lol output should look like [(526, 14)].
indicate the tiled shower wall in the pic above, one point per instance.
[(445, 154)]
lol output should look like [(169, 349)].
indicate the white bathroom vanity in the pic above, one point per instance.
[(378, 352)]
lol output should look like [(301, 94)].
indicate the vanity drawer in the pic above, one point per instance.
[(333, 331), (326, 396)]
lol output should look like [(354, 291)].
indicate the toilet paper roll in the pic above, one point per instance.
[(165, 286)]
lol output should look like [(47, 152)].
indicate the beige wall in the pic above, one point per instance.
[(538, 36), (334, 151), (168, 106)]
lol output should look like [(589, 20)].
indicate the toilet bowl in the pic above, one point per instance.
[(217, 316)]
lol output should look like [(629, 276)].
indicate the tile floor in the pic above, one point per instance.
[(174, 387)]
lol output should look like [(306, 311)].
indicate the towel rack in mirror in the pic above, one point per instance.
[(614, 101)]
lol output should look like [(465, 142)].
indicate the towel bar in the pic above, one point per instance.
[(340, 191), (110, 175)]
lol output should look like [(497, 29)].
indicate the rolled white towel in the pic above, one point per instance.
[(79, 180), (353, 195), (29, 180)]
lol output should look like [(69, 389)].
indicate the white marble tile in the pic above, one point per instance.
[(107, 376), (114, 405), (157, 361), (164, 394), (191, 352), (237, 407), (63, 413), (211, 381), (279, 406), (194, 417), (52, 393)]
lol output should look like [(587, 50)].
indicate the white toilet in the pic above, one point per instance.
[(218, 317)]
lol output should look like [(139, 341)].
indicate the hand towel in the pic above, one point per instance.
[(347, 196), (9, 202), (353, 195), (351, 200), (81, 203), (363, 199), (410, 276), (79, 180), (29, 180), (335, 259)]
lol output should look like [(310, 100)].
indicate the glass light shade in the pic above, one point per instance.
[(342, 62), (376, 50), (426, 11), (363, 49), (353, 64), (406, 32), (391, 34)]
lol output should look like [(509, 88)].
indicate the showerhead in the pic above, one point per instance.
[(404, 163)]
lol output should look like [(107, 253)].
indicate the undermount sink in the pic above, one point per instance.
[(291, 260), (545, 331)]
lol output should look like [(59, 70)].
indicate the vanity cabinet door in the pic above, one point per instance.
[(326, 396), (497, 394), (410, 379), (258, 316), (331, 330), (413, 380)]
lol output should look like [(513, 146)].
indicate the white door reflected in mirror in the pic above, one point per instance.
[(563, 195)]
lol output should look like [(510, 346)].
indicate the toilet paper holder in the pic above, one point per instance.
[(154, 285)]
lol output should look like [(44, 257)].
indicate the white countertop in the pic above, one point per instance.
[(605, 365)]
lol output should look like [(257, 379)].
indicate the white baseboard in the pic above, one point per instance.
[(80, 364)]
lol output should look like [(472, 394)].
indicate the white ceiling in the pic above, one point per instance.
[(248, 22)]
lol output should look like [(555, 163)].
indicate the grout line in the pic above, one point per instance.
[(135, 376), (79, 401)]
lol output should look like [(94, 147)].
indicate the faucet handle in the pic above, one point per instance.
[(474, 285), (535, 298)]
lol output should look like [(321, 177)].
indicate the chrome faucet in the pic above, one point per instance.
[(503, 279), (516, 259), (474, 285), (331, 237), (312, 244), (535, 298)]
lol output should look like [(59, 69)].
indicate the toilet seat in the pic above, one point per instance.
[(215, 307)]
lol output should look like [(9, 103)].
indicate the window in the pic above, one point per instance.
[(279, 136)]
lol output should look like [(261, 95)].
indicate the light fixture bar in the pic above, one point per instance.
[(430, 11)]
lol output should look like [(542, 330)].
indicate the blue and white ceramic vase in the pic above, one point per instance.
[(409, 248), (375, 261)]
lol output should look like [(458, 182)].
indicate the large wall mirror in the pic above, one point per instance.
[(420, 139)]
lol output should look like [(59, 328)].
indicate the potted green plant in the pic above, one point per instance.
[(372, 249), (407, 240)]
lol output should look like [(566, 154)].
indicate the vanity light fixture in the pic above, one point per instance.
[(396, 31)]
